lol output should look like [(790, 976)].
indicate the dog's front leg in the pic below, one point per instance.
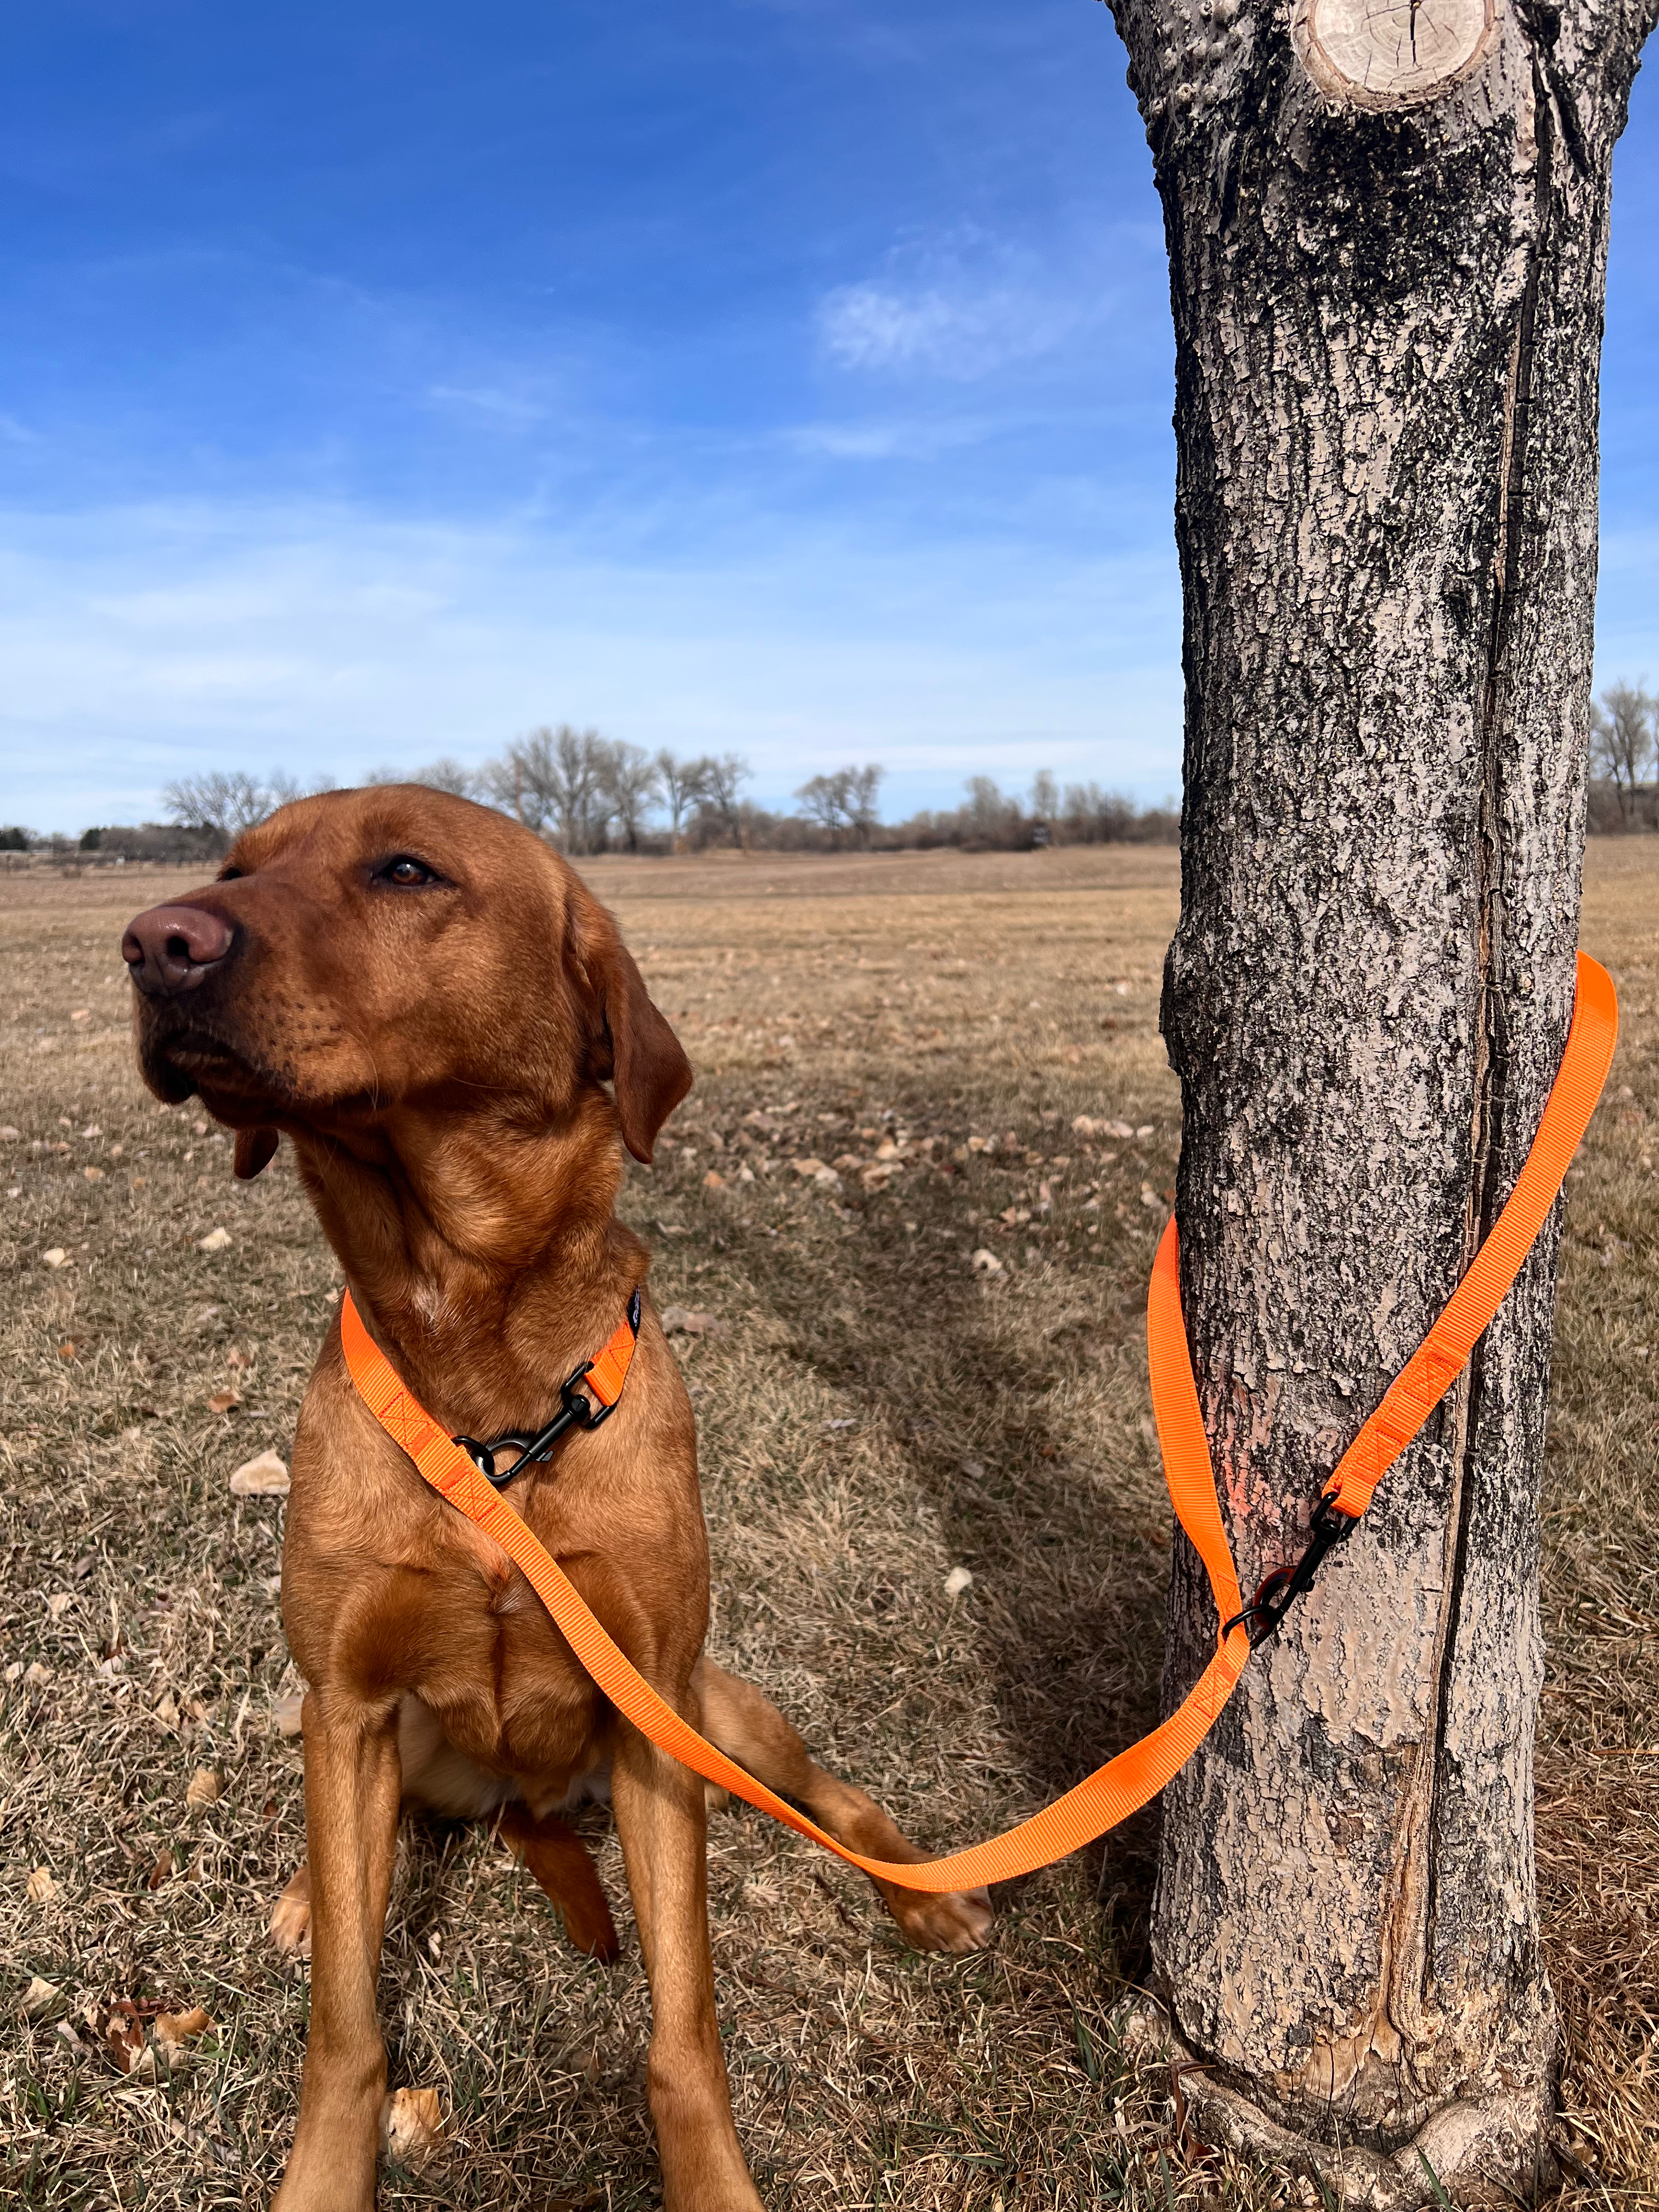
[(352, 1788), (659, 1818)]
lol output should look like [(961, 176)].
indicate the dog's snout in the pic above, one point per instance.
[(172, 948)]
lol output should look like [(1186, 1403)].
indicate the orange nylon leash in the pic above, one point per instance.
[(1439, 1359), (1136, 1775)]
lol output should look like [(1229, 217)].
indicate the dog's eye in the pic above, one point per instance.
[(404, 868)]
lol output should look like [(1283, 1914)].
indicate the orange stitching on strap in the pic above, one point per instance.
[(1129, 1781)]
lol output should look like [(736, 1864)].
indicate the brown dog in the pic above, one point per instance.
[(430, 1005)]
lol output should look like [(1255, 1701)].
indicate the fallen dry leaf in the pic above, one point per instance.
[(237, 1358), (36, 1675), (263, 1477), (713, 1180), (984, 1263), (42, 1887), (221, 1401), (68, 1349), (59, 1603), (124, 2039), (412, 2127), (204, 1788), (161, 1872), (92, 1175), (682, 1320), (285, 1713), (179, 2027), (956, 1581), (56, 1257), (214, 1241), (38, 1998), (815, 1170)]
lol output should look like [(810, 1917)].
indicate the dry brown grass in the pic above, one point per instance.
[(878, 1413)]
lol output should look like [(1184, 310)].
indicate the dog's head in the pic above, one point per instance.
[(367, 952)]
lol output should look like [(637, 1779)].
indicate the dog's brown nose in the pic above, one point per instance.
[(172, 948)]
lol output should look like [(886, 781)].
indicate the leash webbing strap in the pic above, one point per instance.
[(1440, 1358), (1136, 1775)]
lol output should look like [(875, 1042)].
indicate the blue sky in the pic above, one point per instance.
[(784, 376)]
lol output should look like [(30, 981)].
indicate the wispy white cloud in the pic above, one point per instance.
[(917, 438), (962, 305), (951, 333), (512, 410)]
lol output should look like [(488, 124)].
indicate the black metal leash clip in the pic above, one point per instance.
[(1264, 1616), (577, 1411)]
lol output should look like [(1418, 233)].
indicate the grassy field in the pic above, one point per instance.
[(879, 1409)]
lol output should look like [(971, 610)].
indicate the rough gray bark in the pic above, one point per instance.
[(1388, 241)]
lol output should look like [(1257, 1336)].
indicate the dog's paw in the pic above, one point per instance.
[(290, 1917), (960, 1921)]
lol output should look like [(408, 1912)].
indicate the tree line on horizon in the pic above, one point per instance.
[(589, 794)]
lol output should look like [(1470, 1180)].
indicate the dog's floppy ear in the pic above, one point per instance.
[(632, 1043), (255, 1149)]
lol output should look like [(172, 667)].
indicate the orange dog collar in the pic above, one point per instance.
[(1127, 1782)]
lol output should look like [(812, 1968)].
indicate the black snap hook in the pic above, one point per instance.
[(1277, 1592)]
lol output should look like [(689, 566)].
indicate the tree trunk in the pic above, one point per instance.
[(1388, 243)]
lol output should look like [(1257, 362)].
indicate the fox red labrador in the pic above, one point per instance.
[(444, 1021)]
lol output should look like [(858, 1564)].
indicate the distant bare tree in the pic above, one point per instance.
[(1096, 816), (722, 781), (447, 774), (990, 817), (863, 802), (283, 789), (843, 798), (630, 784), (228, 802), (683, 783), (827, 800), (1624, 737), (1045, 796), (581, 806), (525, 780)]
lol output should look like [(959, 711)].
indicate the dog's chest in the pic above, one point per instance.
[(493, 1668)]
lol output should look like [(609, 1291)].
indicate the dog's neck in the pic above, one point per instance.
[(480, 1251)]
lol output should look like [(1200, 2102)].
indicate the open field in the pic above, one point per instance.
[(878, 1412)]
